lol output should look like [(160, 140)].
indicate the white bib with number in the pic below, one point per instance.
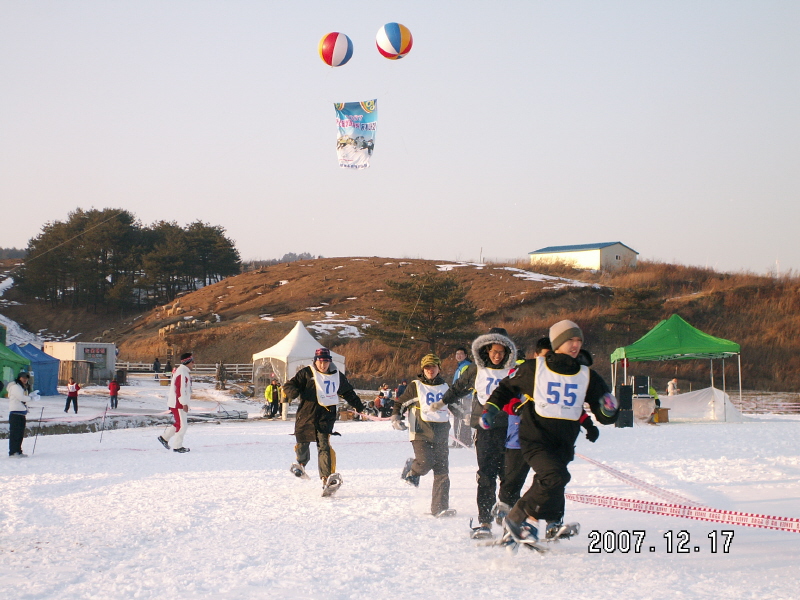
[(559, 396), (427, 395), (327, 387), (486, 380)]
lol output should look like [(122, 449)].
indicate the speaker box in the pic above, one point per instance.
[(625, 397), (624, 418), (641, 385)]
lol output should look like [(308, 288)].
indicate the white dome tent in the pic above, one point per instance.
[(287, 357)]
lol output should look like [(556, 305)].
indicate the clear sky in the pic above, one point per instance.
[(673, 127)]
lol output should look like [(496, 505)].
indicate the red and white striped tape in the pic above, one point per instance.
[(698, 513), (642, 485)]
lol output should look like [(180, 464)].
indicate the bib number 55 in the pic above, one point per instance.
[(558, 393)]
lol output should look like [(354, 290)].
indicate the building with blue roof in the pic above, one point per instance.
[(604, 255)]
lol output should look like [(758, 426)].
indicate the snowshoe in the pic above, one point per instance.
[(500, 511), (333, 483), (447, 512), (298, 471), (164, 442), (482, 532), (518, 535), (181, 450), (408, 475), (556, 530)]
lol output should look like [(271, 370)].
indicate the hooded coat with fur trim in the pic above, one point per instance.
[(466, 383)]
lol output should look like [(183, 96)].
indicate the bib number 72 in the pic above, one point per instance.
[(556, 395)]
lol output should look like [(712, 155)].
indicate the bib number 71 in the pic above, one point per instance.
[(556, 395)]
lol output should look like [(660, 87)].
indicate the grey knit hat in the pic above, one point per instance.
[(563, 331)]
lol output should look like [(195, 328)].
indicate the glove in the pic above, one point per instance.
[(609, 404), (397, 423), (34, 396), (487, 418), (592, 432), (438, 405)]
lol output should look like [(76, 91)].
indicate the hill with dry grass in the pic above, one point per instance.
[(337, 298)]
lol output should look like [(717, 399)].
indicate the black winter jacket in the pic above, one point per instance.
[(311, 415), (555, 435)]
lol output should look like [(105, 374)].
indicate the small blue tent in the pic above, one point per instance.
[(44, 367)]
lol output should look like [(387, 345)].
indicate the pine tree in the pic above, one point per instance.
[(435, 309)]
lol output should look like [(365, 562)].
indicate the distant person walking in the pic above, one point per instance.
[(461, 428), (672, 388), (17, 409), (272, 395), (113, 391), (72, 395), (180, 393)]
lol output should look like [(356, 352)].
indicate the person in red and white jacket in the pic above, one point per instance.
[(180, 393), (72, 395)]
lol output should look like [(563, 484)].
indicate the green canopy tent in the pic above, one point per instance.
[(675, 339), (11, 364)]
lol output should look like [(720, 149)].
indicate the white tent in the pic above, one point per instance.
[(287, 357), (709, 404)]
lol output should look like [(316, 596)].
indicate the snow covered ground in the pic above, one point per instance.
[(127, 519)]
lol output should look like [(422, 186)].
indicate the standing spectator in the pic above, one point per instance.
[(319, 388), (156, 367), (72, 395), (113, 391), (168, 368), (180, 393), (672, 388), (272, 395), (429, 420), (17, 409), (461, 429), (462, 363), (401, 388)]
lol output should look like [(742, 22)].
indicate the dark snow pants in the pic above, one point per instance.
[(515, 472), (326, 457), (434, 456), (490, 445), (74, 400), (16, 433), (545, 498)]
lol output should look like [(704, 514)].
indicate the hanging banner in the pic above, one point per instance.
[(357, 122)]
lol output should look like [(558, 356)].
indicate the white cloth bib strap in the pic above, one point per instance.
[(559, 396), (427, 395), (488, 379), (327, 385)]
